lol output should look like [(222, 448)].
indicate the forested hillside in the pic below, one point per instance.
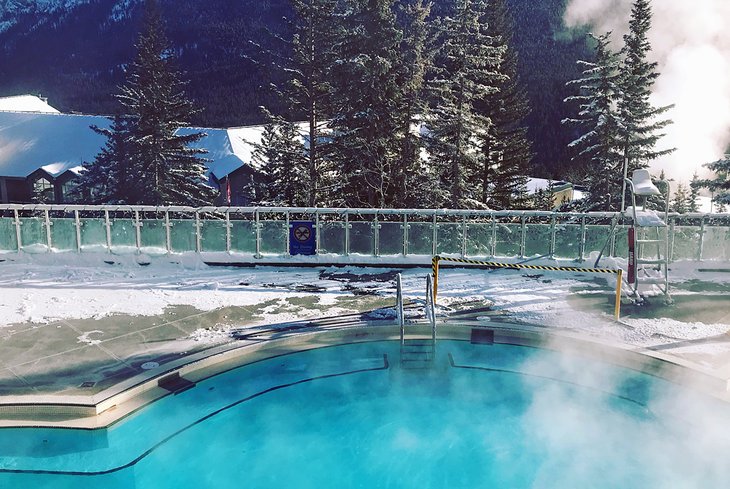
[(75, 55)]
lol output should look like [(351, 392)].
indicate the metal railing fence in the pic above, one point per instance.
[(258, 232)]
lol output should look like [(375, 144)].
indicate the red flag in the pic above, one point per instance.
[(228, 190)]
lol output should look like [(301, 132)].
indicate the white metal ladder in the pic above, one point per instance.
[(651, 232), (416, 352)]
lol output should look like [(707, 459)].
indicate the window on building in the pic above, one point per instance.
[(42, 190)]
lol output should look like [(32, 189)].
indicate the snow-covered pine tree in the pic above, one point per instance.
[(107, 179), (365, 122), (466, 71), (283, 161), (720, 185), (412, 181), (165, 169), (640, 120), (597, 157), (694, 194), (506, 149), (681, 201), (316, 29)]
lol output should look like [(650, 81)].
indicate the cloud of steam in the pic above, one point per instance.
[(691, 43)]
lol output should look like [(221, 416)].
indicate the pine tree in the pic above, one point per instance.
[(640, 121), (365, 123), (596, 150), (316, 29), (465, 74), (283, 161), (412, 180), (165, 169), (107, 179), (694, 194), (681, 202), (720, 185), (506, 149)]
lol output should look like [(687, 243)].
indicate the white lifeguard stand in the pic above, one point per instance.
[(648, 238)]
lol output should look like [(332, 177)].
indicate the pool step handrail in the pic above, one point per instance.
[(430, 306), (399, 306)]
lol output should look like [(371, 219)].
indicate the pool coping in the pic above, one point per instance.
[(107, 407)]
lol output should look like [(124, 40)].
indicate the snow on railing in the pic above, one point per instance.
[(250, 234)]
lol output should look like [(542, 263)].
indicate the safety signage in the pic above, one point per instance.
[(302, 238)]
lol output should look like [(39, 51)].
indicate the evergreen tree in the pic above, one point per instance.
[(316, 29), (412, 181), (681, 202), (164, 168), (694, 194), (505, 147), (365, 123), (640, 121), (465, 74), (720, 185), (596, 150), (283, 161), (107, 180)]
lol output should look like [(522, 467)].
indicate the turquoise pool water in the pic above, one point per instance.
[(484, 416)]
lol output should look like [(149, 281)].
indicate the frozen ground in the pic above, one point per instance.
[(33, 292), (72, 305)]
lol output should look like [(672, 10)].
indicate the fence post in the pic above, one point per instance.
[(168, 237), (228, 231), (198, 244), (376, 235), (138, 230), (553, 232), (77, 221), (464, 229), (49, 239), (582, 246), (257, 228), (701, 249), (108, 227), (347, 233), (405, 234), (493, 251), (434, 235), (18, 234), (523, 234), (317, 231)]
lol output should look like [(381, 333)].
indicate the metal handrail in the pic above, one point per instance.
[(430, 306), (399, 307)]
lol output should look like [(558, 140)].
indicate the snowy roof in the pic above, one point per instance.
[(26, 103), (54, 142), (60, 142)]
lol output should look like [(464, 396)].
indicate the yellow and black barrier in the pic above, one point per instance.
[(518, 266)]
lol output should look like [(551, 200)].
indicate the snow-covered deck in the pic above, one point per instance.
[(78, 328)]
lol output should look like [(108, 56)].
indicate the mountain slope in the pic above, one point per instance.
[(74, 52)]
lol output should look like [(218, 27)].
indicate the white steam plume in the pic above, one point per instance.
[(691, 43)]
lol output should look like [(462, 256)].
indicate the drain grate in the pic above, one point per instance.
[(87, 384)]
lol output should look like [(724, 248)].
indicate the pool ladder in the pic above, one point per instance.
[(416, 352)]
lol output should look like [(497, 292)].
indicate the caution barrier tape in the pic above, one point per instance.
[(518, 266)]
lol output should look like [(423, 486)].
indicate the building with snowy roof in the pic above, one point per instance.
[(562, 191), (42, 152)]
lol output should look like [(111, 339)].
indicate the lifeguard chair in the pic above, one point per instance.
[(648, 238)]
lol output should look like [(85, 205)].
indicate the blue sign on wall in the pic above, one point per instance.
[(302, 238)]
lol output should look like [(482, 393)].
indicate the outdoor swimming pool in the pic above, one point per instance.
[(487, 415)]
